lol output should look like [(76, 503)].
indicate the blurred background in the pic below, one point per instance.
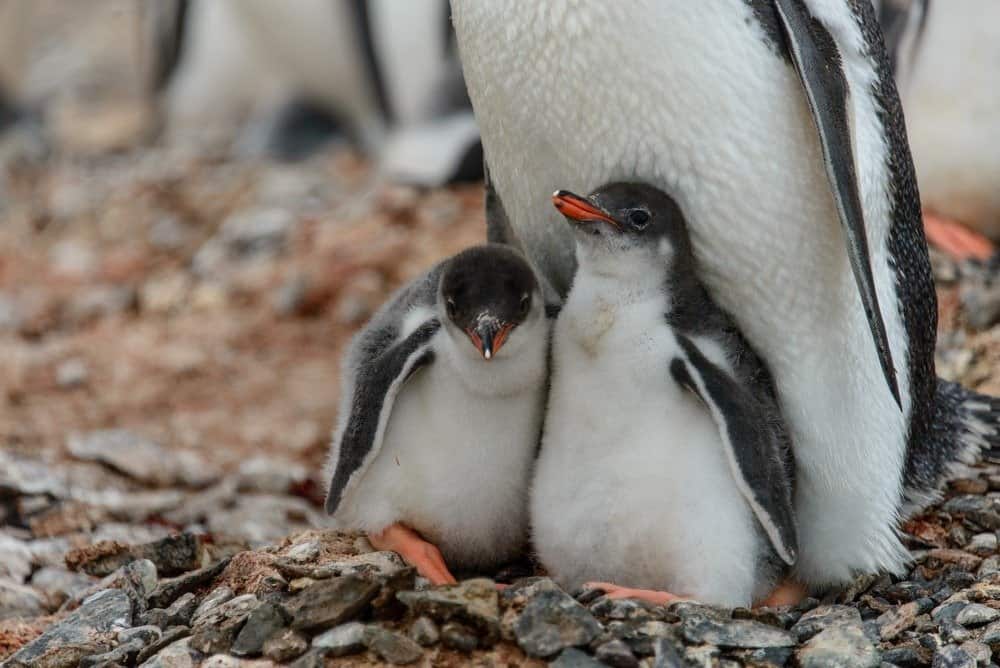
[(201, 200)]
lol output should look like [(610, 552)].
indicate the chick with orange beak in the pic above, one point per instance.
[(441, 413)]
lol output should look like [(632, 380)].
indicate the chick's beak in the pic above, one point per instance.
[(579, 210), (488, 337)]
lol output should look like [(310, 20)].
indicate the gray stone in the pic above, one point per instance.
[(392, 647), (472, 602), (342, 640), (179, 613), (982, 510), (953, 632), (976, 614), (20, 601), (948, 611), (667, 654), (991, 635), (264, 622), (125, 452), (424, 631), (978, 651), (15, 559), (952, 656), (285, 646), (767, 657), (303, 552), (178, 654), (702, 656), (137, 579), (620, 608), (990, 566), (983, 544), (616, 654), (60, 584), (892, 623), (574, 658), (553, 621), (839, 645), (214, 599), (124, 654), (458, 636), (370, 565), (169, 590), (331, 602), (823, 617), (85, 631), (148, 634), (237, 607), (268, 475), (910, 654), (72, 373), (169, 637), (735, 633)]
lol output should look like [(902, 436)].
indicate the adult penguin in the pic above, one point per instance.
[(777, 126), (386, 71)]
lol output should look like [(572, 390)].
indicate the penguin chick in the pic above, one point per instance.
[(664, 464), (440, 416)]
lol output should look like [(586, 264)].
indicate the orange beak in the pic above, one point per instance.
[(580, 210)]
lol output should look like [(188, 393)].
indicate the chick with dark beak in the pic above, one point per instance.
[(489, 336)]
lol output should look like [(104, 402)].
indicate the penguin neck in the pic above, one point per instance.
[(625, 277)]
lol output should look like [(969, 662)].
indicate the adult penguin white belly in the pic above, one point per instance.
[(709, 101)]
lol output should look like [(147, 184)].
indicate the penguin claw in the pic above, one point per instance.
[(787, 593), (415, 551), (958, 241), (614, 591)]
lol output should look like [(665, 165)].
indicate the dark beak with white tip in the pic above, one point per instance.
[(580, 211), (489, 336)]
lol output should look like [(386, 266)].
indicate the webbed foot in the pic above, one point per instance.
[(414, 550)]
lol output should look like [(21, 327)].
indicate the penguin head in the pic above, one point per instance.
[(627, 218), (486, 293)]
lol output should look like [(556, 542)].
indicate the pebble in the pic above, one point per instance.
[(976, 614), (342, 640), (616, 654), (263, 622), (458, 636), (952, 656), (991, 635), (393, 647), (72, 373), (574, 658), (285, 646), (424, 631), (473, 602), (839, 645), (331, 602), (822, 617), (18, 600), (169, 637), (553, 621), (129, 453), (178, 654), (978, 651), (735, 633), (60, 584), (892, 623), (85, 631), (179, 613), (169, 590)]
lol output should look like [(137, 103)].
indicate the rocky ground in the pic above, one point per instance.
[(170, 328)]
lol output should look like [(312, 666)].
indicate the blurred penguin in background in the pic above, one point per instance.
[(946, 58), (384, 72)]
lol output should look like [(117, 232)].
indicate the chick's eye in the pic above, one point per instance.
[(450, 307), (525, 304), (638, 218)]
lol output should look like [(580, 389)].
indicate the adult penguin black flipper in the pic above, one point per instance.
[(820, 68), (371, 402), (752, 443)]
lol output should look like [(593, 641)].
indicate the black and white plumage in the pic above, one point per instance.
[(441, 409), (664, 462), (714, 102), (386, 71)]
